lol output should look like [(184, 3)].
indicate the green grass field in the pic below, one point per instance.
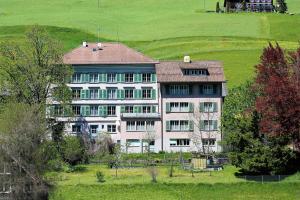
[(163, 29), (136, 184)]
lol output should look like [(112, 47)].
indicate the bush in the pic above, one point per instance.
[(100, 176), (73, 150), (76, 168)]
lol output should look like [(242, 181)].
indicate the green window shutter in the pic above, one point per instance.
[(137, 109), (202, 125), (153, 78), (120, 78), (105, 78), (87, 111), (87, 94), (215, 122), (122, 94), (102, 111), (87, 78), (153, 109), (137, 94), (99, 94), (82, 76), (201, 107), (168, 126), (191, 125), (82, 94), (82, 110), (168, 108), (215, 104), (100, 78), (137, 78), (122, 109), (191, 107), (153, 94), (102, 94)]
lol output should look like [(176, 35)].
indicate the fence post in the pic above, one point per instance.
[(262, 179), (246, 178), (279, 177)]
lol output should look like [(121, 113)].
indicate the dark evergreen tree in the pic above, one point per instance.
[(281, 6)]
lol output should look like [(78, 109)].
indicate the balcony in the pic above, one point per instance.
[(141, 115)]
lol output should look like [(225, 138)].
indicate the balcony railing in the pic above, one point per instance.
[(140, 115)]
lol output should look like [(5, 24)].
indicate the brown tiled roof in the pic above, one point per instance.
[(171, 71), (111, 53)]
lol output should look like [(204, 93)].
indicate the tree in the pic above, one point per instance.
[(218, 7), (278, 104), (244, 8), (73, 150), (281, 6), (23, 135), (32, 70)]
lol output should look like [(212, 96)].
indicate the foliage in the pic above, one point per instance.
[(73, 150), (253, 152), (100, 176), (30, 70), (278, 82), (23, 147), (281, 6), (218, 7), (76, 168)]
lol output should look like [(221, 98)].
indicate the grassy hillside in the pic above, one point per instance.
[(163, 29)]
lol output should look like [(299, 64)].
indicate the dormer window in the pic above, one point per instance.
[(195, 72)]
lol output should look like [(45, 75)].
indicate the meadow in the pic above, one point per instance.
[(164, 30), (136, 183)]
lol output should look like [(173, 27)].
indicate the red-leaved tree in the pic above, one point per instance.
[(278, 82)]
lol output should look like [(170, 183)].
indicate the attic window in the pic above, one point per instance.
[(195, 72)]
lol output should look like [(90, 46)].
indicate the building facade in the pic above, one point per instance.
[(249, 5), (143, 104)]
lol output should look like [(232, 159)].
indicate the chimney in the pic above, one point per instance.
[(187, 59)]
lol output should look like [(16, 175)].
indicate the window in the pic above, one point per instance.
[(58, 110), (111, 110), (128, 109), (179, 142), (130, 126), (209, 125), (184, 125), (76, 129), (146, 109), (76, 93), (93, 129), (94, 110), (128, 93), (195, 72), (150, 125), (111, 128), (111, 78), (146, 78), (174, 125), (112, 93), (129, 78), (208, 107), (179, 107), (76, 78), (209, 142), (94, 93), (179, 125), (133, 143), (208, 89), (146, 93), (94, 78), (140, 125), (76, 110), (179, 90)]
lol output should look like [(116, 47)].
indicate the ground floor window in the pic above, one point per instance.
[(209, 142), (76, 129), (140, 125), (133, 142), (179, 142), (112, 128), (93, 129)]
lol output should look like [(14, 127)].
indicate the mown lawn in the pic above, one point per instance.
[(136, 184)]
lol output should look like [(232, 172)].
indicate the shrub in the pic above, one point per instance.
[(76, 168), (100, 176), (73, 150)]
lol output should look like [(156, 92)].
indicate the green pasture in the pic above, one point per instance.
[(136, 183)]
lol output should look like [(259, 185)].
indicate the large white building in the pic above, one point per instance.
[(170, 106)]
